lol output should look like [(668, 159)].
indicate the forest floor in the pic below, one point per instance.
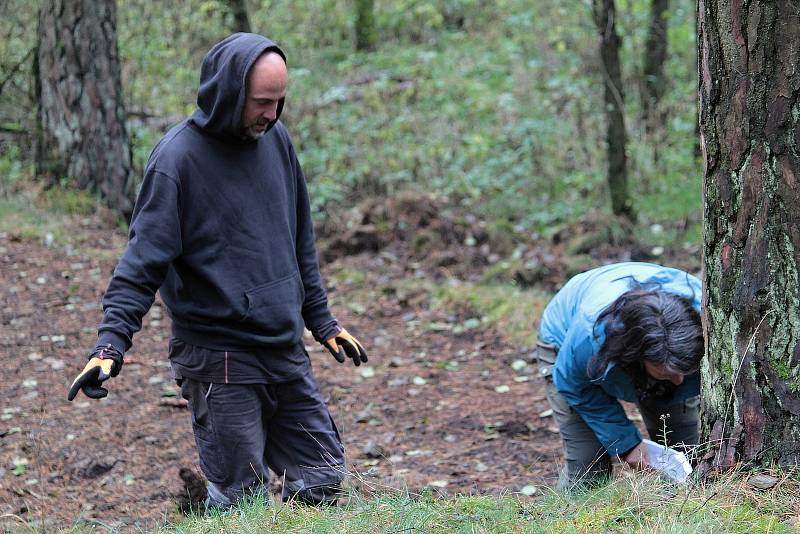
[(446, 403)]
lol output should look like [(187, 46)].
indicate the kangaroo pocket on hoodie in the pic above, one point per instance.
[(275, 306)]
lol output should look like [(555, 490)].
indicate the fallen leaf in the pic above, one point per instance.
[(368, 372), (518, 365)]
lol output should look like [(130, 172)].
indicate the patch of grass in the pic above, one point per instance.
[(513, 311), (52, 217), (20, 218), (66, 201), (630, 504), (348, 276), (15, 169)]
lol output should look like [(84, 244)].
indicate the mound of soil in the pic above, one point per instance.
[(425, 235)]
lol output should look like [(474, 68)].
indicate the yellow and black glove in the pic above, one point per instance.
[(343, 345), (104, 363)]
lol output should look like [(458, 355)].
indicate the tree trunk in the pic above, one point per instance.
[(616, 137), (750, 128), (81, 133), (366, 34), (241, 20), (655, 54)]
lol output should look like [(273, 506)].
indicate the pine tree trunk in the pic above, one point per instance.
[(366, 34), (655, 54), (613, 96), (81, 133), (750, 127)]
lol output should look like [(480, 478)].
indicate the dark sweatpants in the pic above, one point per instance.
[(242, 429)]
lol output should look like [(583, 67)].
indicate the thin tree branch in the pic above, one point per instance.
[(15, 69)]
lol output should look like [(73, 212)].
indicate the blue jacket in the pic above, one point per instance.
[(222, 227), (568, 322)]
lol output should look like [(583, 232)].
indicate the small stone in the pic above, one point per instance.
[(481, 467), (155, 379), (502, 388), (394, 382), (419, 381), (529, 490), (363, 416), (374, 450), (762, 481), (438, 483), (546, 413), (55, 363)]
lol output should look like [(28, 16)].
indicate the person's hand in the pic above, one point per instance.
[(343, 345), (104, 363), (637, 457)]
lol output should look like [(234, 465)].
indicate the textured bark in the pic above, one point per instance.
[(613, 96), (366, 33), (81, 131), (241, 20), (750, 127), (655, 54)]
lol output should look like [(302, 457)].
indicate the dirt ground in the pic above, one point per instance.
[(430, 415), (449, 408)]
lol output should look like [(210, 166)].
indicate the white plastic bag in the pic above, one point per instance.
[(669, 462)]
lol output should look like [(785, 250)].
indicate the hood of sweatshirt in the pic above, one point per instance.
[(223, 85)]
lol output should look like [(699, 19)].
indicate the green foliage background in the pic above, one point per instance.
[(497, 106)]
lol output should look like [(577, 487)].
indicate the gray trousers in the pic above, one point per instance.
[(241, 430), (586, 459)]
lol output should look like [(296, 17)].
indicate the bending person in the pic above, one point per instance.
[(626, 331)]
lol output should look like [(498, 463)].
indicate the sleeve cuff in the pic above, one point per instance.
[(118, 341), (623, 446), (326, 332)]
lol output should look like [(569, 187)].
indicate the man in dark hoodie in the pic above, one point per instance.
[(222, 226)]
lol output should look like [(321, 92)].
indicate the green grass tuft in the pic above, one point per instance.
[(629, 504)]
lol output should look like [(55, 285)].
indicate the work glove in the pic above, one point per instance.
[(104, 363), (344, 345)]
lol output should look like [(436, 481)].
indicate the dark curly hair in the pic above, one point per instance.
[(648, 325)]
